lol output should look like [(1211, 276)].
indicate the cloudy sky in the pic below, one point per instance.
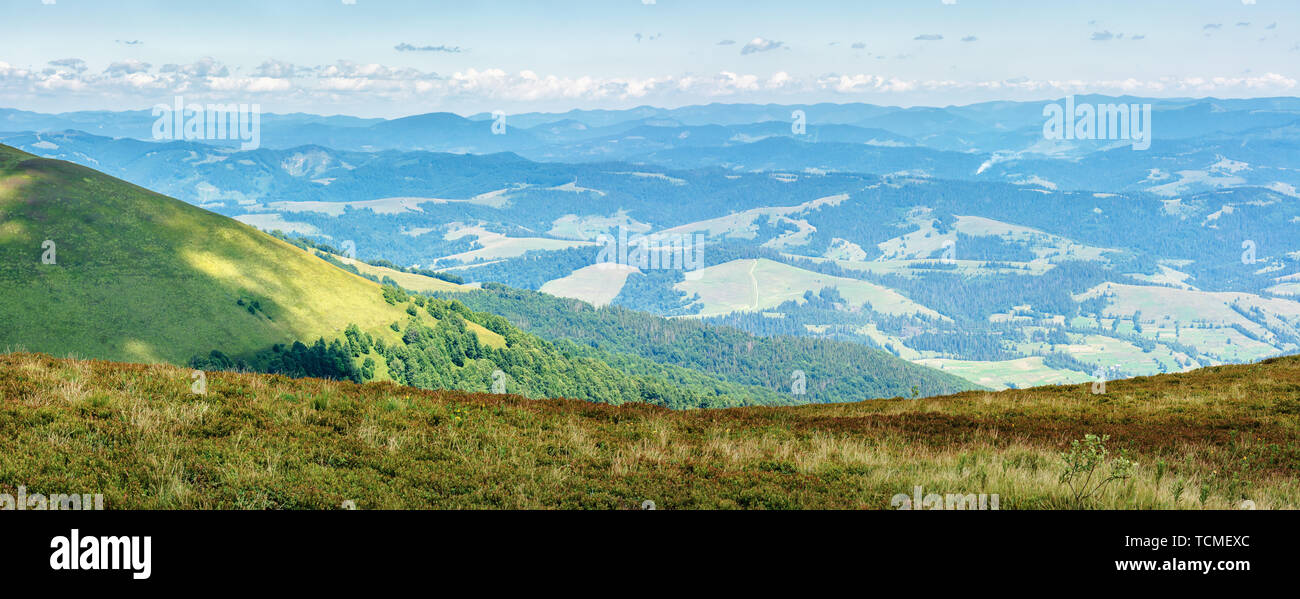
[(399, 57)]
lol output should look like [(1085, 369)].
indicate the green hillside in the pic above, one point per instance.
[(145, 278), (136, 276)]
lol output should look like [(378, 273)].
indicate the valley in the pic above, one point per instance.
[(1006, 260)]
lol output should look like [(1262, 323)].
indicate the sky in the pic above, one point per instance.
[(389, 58)]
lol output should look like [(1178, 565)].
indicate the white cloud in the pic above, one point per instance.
[(727, 83), (276, 83), (128, 67), (203, 67), (70, 64), (406, 47), (277, 69), (780, 80), (759, 44)]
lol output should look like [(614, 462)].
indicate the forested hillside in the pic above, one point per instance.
[(832, 371)]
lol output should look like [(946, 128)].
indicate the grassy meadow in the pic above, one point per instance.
[(1206, 439), (141, 277)]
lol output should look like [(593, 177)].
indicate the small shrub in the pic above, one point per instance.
[(1089, 467)]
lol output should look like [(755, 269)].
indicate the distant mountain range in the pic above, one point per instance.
[(1197, 144), (957, 238), (986, 127)]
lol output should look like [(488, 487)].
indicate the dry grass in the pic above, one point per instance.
[(1207, 439)]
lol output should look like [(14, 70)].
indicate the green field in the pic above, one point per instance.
[(145, 278), (597, 284), (754, 285), (496, 245), (1020, 373)]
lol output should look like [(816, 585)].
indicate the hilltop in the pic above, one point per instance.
[(1211, 438), (141, 277)]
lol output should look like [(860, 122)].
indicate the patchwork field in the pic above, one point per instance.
[(496, 245), (380, 206), (744, 224), (1188, 306), (274, 221), (597, 284), (1020, 373), (913, 268), (754, 285)]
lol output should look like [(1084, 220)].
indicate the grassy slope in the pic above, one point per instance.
[(135, 433), (145, 278), (422, 284), (414, 282)]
